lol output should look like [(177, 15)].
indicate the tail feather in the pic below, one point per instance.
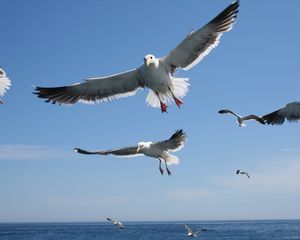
[(179, 88), (172, 159)]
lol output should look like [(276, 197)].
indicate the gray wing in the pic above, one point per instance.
[(100, 89), (5, 82), (254, 117), (126, 151), (291, 112), (188, 228), (227, 111), (199, 43), (175, 142)]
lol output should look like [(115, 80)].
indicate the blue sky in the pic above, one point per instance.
[(253, 70)]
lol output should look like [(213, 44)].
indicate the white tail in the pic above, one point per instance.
[(172, 159), (179, 87)]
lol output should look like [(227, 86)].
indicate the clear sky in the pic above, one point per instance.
[(255, 69)]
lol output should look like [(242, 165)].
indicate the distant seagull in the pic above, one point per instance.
[(156, 73), (240, 119), (117, 223), (242, 172), (290, 112), (5, 83), (159, 150), (194, 234)]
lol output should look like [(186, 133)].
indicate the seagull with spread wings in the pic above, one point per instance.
[(5, 83), (243, 172), (117, 223), (157, 74), (159, 150), (290, 112), (241, 120), (191, 233)]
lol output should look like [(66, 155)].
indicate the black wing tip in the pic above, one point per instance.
[(237, 171), (273, 118), (179, 134), (79, 150), (222, 111)]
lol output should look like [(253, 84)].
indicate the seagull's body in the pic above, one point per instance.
[(243, 172), (159, 150), (241, 120), (191, 233), (156, 73), (117, 223), (5, 83), (290, 112)]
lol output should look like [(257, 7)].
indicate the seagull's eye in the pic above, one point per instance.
[(150, 57)]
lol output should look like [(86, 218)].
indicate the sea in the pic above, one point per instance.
[(231, 230)]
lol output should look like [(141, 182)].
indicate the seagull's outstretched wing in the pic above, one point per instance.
[(227, 111), (254, 117), (199, 43), (109, 219), (127, 151), (93, 90), (247, 175), (200, 230), (175, 142), (5, 82), (291, 112), (189, 229)]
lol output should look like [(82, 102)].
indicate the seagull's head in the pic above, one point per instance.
[(142, 145), (149, 58)]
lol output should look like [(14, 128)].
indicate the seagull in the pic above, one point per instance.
[(240, 119), (291, 112), (117, 223), (242, 172), (194, 234), (157, 74), (5, 83), (159, 150)]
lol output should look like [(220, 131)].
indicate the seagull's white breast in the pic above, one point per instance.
[(156, 76)]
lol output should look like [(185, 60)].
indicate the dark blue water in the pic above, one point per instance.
[(233, 230)]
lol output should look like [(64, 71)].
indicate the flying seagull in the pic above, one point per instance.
[(5, 84), (117, 223), (290, 112), (241, 120), (159, 150), (157, 74), (194, 234), (242, 172)]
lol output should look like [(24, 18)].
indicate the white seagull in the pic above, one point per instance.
[(156, 73), (5, 83), (159, 150), (290, 112), (194, 234), (117, 223), (241, 120), (242, 172)]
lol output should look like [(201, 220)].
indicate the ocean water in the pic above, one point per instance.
[(233, 230)]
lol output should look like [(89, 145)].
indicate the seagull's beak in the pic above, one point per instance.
[(147, 61)]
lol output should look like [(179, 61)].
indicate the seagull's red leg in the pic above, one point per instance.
[(176, 100), (163, 107)]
